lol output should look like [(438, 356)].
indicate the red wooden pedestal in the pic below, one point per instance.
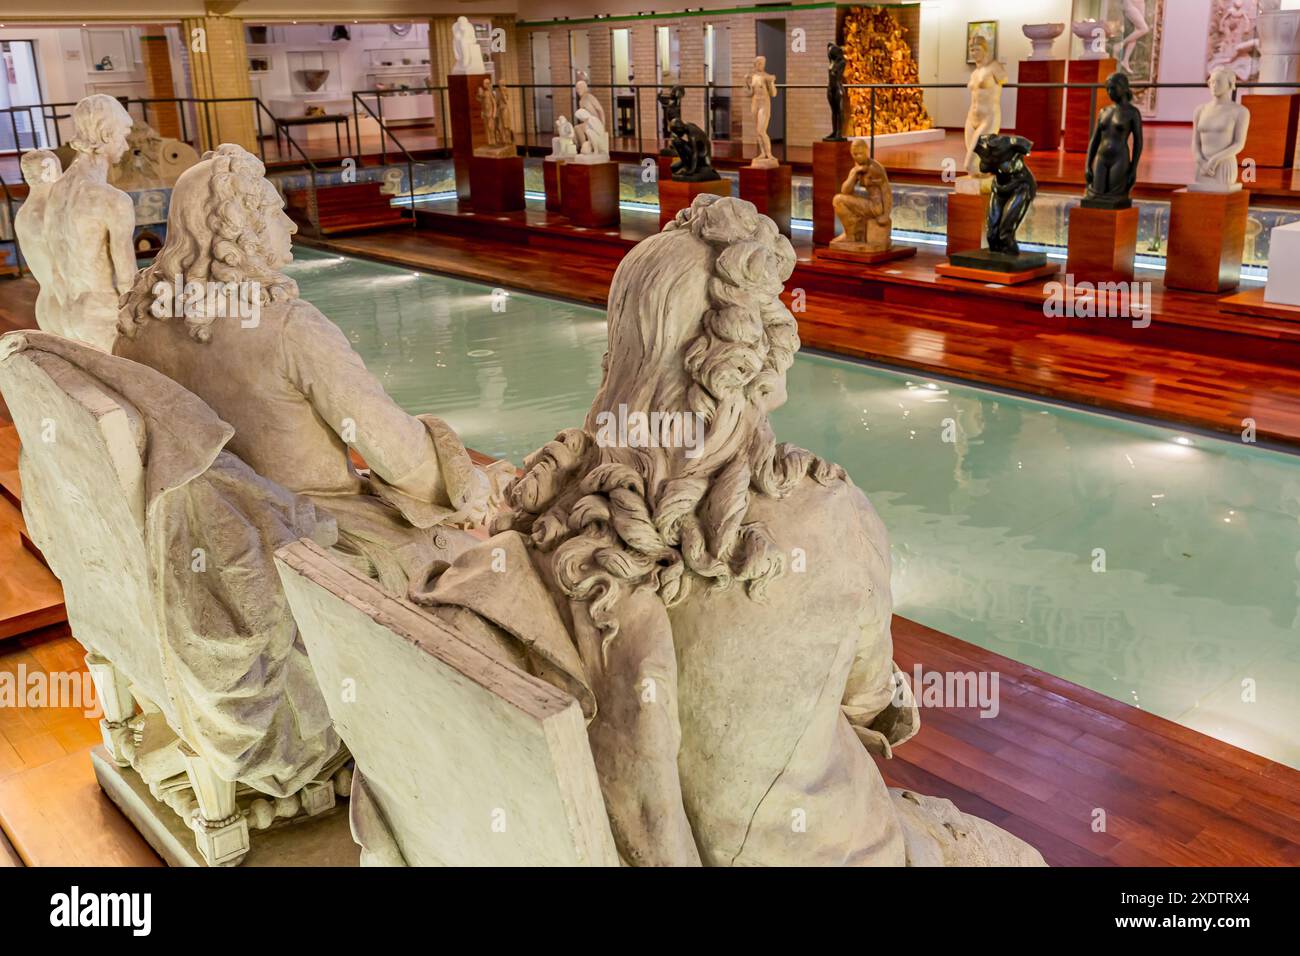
[(769, 190), (466, 125), (967, 221), (496, 183), (1270, 139), (665, 166), (551, 183), (589, 193), (1038, 112), (1078, 121), (832, 163), (675, 196), (1207, 235), (1102, 244)]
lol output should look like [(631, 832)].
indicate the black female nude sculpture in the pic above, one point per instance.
[(693, 163), (835, 92), (1112, 168)]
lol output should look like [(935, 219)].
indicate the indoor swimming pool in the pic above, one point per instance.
[(1159, 567)]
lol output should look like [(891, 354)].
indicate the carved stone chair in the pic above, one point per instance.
[(463, 759), (89, 444)]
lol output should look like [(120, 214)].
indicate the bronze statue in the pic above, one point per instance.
[(693, 151), (835, 92), (1112, 168), (1014, 188)]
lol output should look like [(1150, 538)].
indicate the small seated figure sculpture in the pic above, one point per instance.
[(1219, 130), (465, 48), (564, 144), (40, 168), (1112, 166), (594, 138), (762, 87), (836, 93), (88, 228), (495, 110), (1014, 188), (670, 105), (288, 380), (866, 218), (693, 163)]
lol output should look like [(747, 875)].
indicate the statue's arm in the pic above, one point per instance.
[(121, 240), (319, 360), (1093, 144), (1137, 149)]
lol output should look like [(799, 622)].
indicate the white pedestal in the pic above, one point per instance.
[(1283, 286)]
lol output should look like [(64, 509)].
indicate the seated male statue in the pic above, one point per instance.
[(215, 314), (735, 695)]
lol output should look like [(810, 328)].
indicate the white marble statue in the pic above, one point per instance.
[(287, 379), (587, 100), (594, 137), (656, 555), (465, 48), (40, 168), (89, 228), (985, 114), (1218, 134), (762, 87), (564, 144)]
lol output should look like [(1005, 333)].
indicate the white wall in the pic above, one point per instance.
[(1182, 58)]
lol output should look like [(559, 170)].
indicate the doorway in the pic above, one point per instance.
[(717, 71), (623, 76), (20, 85), (668, 64), (769, 41), (543, 95)]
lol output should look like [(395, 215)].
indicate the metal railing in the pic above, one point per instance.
[(384, 135)]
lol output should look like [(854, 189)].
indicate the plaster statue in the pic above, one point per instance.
[(1233, 42), (694, 154), (1135, 15), (89, 228), (985, 114), (670, 102), (1112, 167), (594, 138), (1218, 134), (629, 562), (587, 100), (866, 217), (836, 94), (497, 128), (1014, 188), (563, 143), (465, 48), (287, 379), (40, 168), (762, 87)]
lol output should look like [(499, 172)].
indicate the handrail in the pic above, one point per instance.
[(384, 134)]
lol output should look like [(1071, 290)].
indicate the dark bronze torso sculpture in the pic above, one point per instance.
[(1112, 167), (693, 163), (835, 92), (1014, 188)]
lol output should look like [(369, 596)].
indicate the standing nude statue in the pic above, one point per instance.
[(1112, 167), (88, 228), (1135, 13), (836, 93), (762, 87), (985, 114), (40, 168), (1218, 135), (495, 110), (866, 218)]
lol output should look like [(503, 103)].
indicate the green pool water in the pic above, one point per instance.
[(998, 535)]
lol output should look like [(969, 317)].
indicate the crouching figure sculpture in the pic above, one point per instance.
[(644, 575)]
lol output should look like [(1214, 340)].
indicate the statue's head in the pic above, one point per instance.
[(860, 150), (40, 167), (580, 88), (760, 64), (1118, 89), (582, 115), (226, 224), (833, 52), (653, 490), (1222, 82), (102, 124), (677, 126), (980, 50)]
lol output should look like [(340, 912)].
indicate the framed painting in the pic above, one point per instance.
[(981, 29)]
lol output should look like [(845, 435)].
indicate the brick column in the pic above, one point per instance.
[(218, 70), (158, 78)]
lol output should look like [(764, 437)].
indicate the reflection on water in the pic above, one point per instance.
[(1003, 512)]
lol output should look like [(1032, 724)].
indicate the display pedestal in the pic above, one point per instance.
[(551, 183), (1038, 111), (985, 265), (675, 196), (1270, 138), (589, 193), (466, 126), (1283, 286), (832, 163), (1102, 244), (496, 183), (665, 166), (1207, 235), (769, 190), (1078, 113), (863, 256), (968, 215)]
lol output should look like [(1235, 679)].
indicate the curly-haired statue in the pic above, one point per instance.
[(215, 313), (86, 229), (726, 594)]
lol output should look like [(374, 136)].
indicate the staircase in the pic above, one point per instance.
[(344, 208)]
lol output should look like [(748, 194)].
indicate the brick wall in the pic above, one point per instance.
[(221, 72), (157, 61)]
